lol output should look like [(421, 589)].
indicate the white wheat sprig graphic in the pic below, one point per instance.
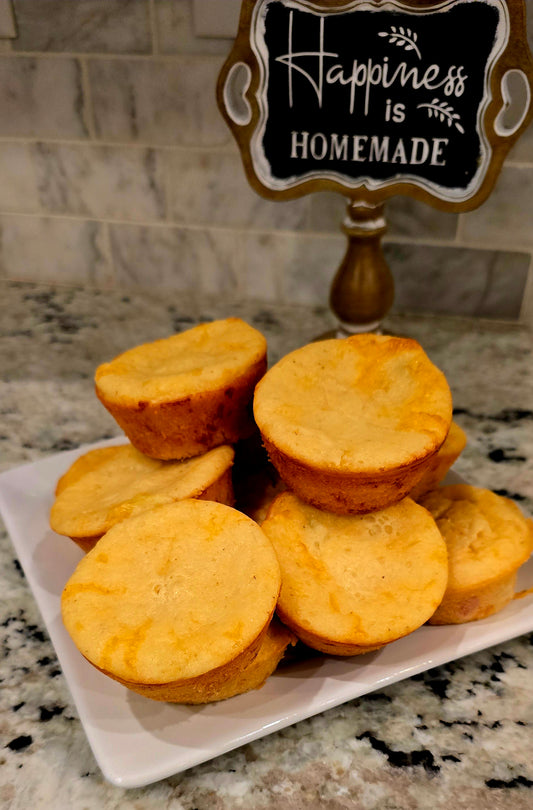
[(403, 38), (444, 112)]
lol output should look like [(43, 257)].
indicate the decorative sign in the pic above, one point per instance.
[(374, 99)]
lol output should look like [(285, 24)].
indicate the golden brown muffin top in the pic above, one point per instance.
[(172, 593), (101, 490), (365, 579), (366, 402), (88, 462), (486, 534), (200, 359)]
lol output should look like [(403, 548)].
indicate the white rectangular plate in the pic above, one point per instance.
[(137, 741)]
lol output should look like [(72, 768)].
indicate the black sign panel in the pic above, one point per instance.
[(376, 97), (377, 93)]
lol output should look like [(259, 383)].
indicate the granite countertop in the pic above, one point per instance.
[(460, 735)]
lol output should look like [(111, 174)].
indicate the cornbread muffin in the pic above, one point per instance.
[(183, 395), (351, 425), (175, 601), (488, 539), (352, 583), (441, 462), (108, 485), (88, 462), (253, 676)]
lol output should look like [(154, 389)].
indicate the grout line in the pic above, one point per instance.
[(169, 178), (175, 224), (518, 164), (89, 218), (229, 147), (491, 323), (119, 57), (32, 161), (516, 247), (258, 231), (526, 309), (125, 288), (87, 92), (79, 284), (166, 224), (459, 231), (107, 243), (153, 26), (400, 239)]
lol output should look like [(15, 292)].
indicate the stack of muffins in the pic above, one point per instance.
[(176, 597)]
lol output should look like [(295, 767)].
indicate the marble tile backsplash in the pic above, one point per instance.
[(99, 26), (210, 188), (104, 182), (175, 31), (42, 97), (200, 260), (170, 103), (507, 215), (66, 251), (117, 170)]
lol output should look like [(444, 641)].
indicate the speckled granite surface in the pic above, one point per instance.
[(458, 736)]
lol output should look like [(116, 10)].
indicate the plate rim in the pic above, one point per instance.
[(126, 779)]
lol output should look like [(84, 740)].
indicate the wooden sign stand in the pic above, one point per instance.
[(362, 290), (372, 99)]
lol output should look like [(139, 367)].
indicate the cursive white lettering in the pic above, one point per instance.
[(362, 75)]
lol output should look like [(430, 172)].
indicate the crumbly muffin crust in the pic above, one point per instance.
[(488, 538), (107, 485), (351, 584), (173, 594), (180, 396), (352, 424)]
